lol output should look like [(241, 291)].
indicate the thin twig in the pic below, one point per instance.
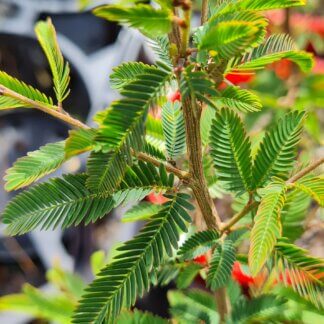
[(204, 11), (183, 175), (308, 169), (51, 110)]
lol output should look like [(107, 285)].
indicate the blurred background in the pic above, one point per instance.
[(93, 47)]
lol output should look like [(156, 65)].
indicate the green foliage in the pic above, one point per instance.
[(126, 73), (267, 226), (187, 275), (173, 129), (194, 306), (150, 21), (275, 48), (46, 35), (197, 244), (240, 99), (119, 283), (79, 141), (21, 88), (232, 34), (231, 151), (300, 271), (277, 151), (262, 309), (314, 187), (139, 317), (142, 211), (34, 166), (122, 129), (221, 265), (67, 201)]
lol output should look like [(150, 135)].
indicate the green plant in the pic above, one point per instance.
[(133, 154)]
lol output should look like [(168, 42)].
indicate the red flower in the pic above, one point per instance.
[(174, 96), (202, 259), (283, 69), (240, 277), (157, 199), (237, 77)]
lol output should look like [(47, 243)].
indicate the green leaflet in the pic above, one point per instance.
[(79, 141), (46, 35), (150, 21), (119, 283), (267, 226), (140, 317), (300, 271), (314, 187), (67, 201), (262, 309), (277, 151), (197, 244), (240, 99), (21, 88), (231, 151), (187, 275), (193, 306), (233, 33), (235, 5), (142, 211), (173, 129), (275, 48), (35, 165), (126, 73), (122, 129), (221, 265)]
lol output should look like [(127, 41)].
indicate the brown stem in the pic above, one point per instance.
[(183, 175), (308, 169), (223, 304), (192, 113), (204, 11), (51, 110)]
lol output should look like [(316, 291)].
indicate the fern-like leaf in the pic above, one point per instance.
[(240, 99), (66, 201), (221, 265), (21, 88), (277, 151), (34, 166), (150, 21), (173, 129), (161, 48), (302, 272), (140, 317), (126, 73), (122, 129), (142, 211), (267, 226), (231, 151), (187, 275), (197, 244), (198, 85), (119, 283), (262, 309), (314, 187), (46, 35), (232, 34), (79, 141), (275, 48)]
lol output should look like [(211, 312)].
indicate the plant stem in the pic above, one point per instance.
[(308, 169), (183, 175), (204, 11), (198, 184), (223, 304), (51, 110), (248, 207)]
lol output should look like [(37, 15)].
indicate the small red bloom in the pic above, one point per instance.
[(202, 259), (157, 199), (240, 277), (237, 78), (174, 96), (283, 69)]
